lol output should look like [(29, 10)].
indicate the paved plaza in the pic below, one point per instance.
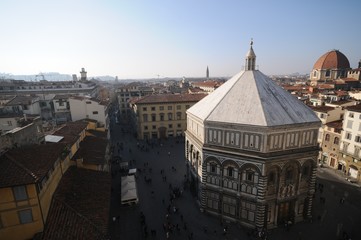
[(167, 205)]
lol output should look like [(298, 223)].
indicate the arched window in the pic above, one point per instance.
[(336, 141), (289, 175), (328, 73), (271, 178), (327, 137)]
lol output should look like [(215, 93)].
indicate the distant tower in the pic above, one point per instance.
[(207, 73), (250, 59), (83, 75), (75, 78), (359, 64)]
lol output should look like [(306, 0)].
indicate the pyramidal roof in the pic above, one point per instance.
[(252, 98)]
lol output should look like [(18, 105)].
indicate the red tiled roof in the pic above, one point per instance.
[(71, 131), (28, 164), (92, 150), (335, 124), (323, 109), (170, 98), (332, 60), (355, 108), (80, 206)]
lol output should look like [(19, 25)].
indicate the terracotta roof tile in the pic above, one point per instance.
[(80, 206), (92, 150), (71, 131), (28, 164), (355, 108), (332, 60), (323, 109)]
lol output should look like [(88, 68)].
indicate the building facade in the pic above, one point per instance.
[(350, 159), (162, 116), (89, 108), (251, 151)]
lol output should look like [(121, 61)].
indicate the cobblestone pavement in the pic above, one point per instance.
[(330, 217)]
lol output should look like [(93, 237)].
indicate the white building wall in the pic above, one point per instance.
[(81, 109), (351, 134), (78, 109)]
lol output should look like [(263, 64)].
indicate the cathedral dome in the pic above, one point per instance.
[(332, 60)]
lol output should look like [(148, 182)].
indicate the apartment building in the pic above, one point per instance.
[(350, 159), (162, 116)]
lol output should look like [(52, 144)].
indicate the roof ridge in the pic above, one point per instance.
[(258, 98), (28, 171)]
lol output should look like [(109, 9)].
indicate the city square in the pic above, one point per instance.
[(332, 217)]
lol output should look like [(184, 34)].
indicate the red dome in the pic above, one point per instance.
[(332, 60)]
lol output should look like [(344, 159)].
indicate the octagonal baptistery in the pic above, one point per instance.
[(251, 151)]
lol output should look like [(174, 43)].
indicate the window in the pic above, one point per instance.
[(179, 115), (145, 127), (170, 116), (328, 73), (161, 108), (336, 141), (230, 171), (249, 176), (349, 124), (25, 216), (187, 106), (10, 123), (213, 168), (351, 115), (348, 135), (169, 107), (357, 151), (179, 125), (153, 108), (145, 117), (170, 126), (153, 118), (161, 117), (358, 139), (271, 177), (315, 73), (327, 137), (289, 176), (61, 103), (154, 127), (179, 107), (20, 193), (144, 109), (322, 115), (95, 112)]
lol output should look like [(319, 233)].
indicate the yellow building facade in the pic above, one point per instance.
[(30, 177), (162, 116)]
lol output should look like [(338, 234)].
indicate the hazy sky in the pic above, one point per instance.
[(136, 39)]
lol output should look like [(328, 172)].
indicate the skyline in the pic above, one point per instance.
[(144, 39)]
